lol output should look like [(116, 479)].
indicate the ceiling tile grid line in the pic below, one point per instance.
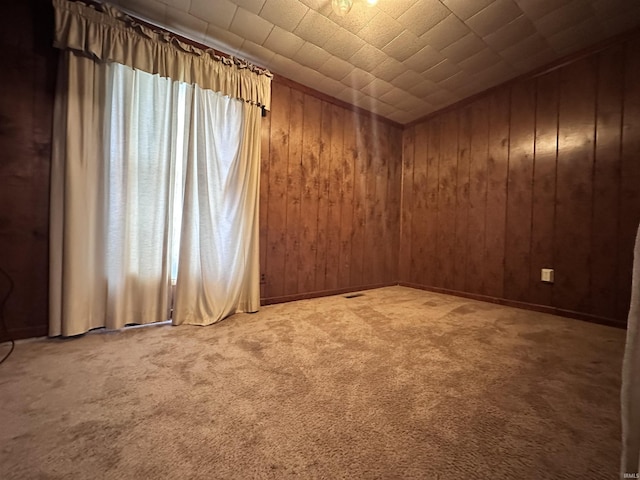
[(403, 59)]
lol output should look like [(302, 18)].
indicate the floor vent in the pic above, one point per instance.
[(354, 295)]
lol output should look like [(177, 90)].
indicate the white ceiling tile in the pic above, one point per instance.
[(380, 30), (531, 62), (401, 58), (403, 46), (188, 25), (409, 103), (481, 60), (529, 46), (392, 97), (336, 68), (150, 10), (443, 70), (283, 42), (214, 12), (389, 69), (423, 15), (343, 44), (565, 16), (357, 18), (424, 88), (395, 8), (493, 17), (511, 33), (464, 48), (316, 28), (256, 54), (320, 6), (425, 59), (465, 8), (407, 79), (284, 13), (566, 39), (377, 88), (222, 40), (441, 98), (498, 73), (539, 8), (311, 55), (254, 6), (367, 58), (357, 78), (446, 32), (179, 4), (250, 26), (456, 81), (285, 66)]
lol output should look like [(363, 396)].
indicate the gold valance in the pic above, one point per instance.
[(109, 35)]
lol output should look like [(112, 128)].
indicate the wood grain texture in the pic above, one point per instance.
[(543, 208), (27, 93), (547, 177), (606, 184), (332, 200), (576, 126), (420, 228), (408, 151), (477, 196), (520, 184), (629, 175)]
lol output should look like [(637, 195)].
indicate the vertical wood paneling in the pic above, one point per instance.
[(446, 211), (331, 193), (406, 241), (574, 185), (519, 187), (393, 208), (346, 222), (370, 234), (495, 216), (294, 186), (606, 187), (430, 232), (360, 156), (462, 201), (278, 184), (382, 203), (477, 195), (324, 173), (265, 133), (547, 177), (309, 194), (544, 186), (419, 229), (629, 174), (336, 198)]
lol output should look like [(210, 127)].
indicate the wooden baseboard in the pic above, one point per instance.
[(524, 305), (321, 293)]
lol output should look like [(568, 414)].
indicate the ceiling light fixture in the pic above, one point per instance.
[(342, 7)]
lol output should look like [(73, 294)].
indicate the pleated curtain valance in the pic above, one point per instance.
[(109, 35)]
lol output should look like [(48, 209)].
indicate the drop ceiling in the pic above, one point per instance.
[(401, 59)]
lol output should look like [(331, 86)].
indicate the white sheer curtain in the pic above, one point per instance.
[(154, 179), (218, 264), (630, 392)]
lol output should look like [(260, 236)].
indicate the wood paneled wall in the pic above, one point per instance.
[(26, 106), (540, 173), (329, 198)]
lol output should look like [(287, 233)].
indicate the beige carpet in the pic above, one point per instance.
[(397, 383)]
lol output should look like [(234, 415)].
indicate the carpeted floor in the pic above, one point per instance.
[(397, 383)]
